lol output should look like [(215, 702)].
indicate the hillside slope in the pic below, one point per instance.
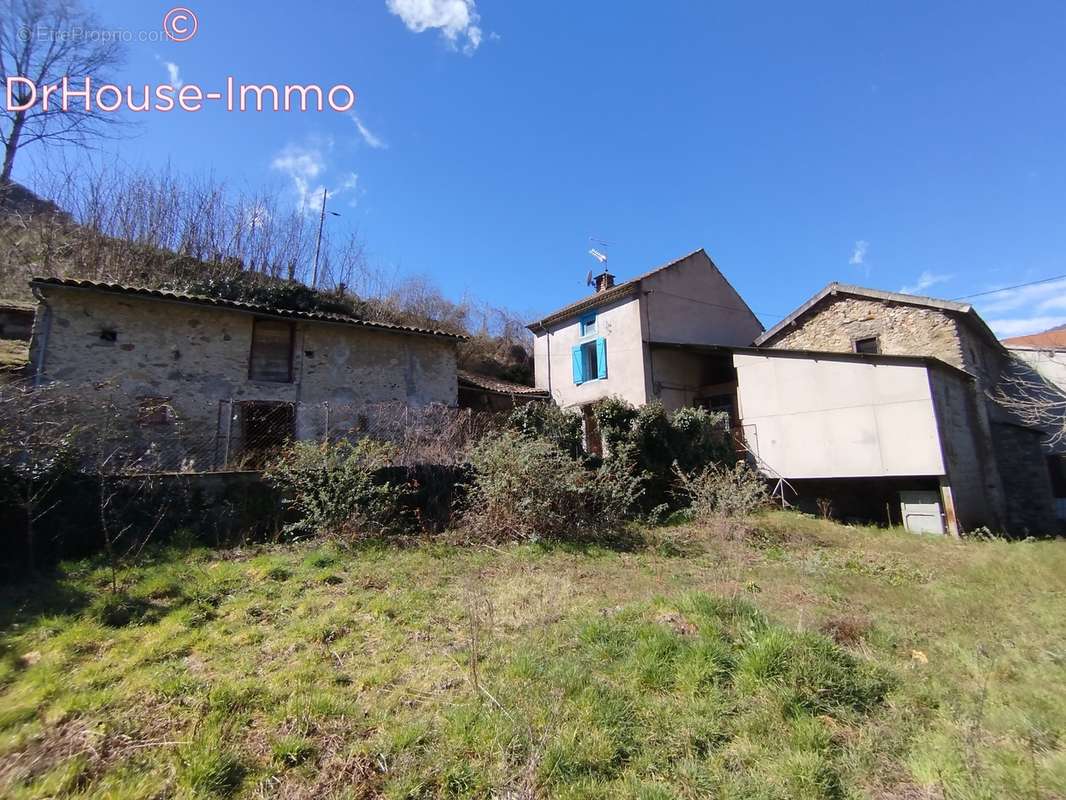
[(809, 660)]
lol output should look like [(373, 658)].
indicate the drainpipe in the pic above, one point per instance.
[(42, 325)]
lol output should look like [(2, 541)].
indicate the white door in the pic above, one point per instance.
[(921, 512)]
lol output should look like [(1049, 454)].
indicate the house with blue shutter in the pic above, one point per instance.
[(622, 339)]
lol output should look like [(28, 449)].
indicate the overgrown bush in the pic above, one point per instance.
[(720, 491), (548, 421), (656, 440), (526, 487), (334, 487)]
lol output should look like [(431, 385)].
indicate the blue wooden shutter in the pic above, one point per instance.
[(579, 364), (601, 357)]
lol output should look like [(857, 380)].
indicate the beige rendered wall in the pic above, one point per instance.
[(692, 303), (198, 355), (620, 324), (808, 418)]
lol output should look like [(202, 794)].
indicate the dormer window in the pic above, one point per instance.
[(588, 324)]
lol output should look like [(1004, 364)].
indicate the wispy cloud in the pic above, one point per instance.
[(307, 167), (1028, 309), (457, 20), (368, 136), (173, 73), (858, 253), (925, 281)]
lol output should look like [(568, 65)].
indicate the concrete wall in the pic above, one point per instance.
[(969, 463), (1049, 364), (198, 356), (692, 303), (810, 418), (620, 324)]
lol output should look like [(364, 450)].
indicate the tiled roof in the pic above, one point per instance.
[(496, 385), (1051, 339), (600, 298), (239, 305), (952, 306)]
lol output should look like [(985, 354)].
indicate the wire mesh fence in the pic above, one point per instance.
[(146, 434)]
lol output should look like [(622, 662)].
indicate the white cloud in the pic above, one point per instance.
[(306, 166), (368, 136), (457, 20), (302, 164), (925, 281), (1027, 309), (173, 73), (1022, 326), (858, 254)]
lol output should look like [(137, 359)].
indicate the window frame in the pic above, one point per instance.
[(855, 343), (291, 354), (587, 325), (589, 359)]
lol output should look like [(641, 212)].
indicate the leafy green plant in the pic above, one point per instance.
[(548, 421), (335, 487), (526, 487), (720, 491), (655, 440)]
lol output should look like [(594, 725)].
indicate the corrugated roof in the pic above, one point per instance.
[(497, 385), (239, 305), (835, 288), (1051, 339), (615, 292)]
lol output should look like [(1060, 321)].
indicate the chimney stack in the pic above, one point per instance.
[(604, 281)]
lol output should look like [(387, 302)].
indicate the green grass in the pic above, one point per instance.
[(808, 661)]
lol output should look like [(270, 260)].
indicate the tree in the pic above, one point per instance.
[(1032, 399), (45, 41)]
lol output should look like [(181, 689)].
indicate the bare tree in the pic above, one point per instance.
[(1032, 399), (44, 41)]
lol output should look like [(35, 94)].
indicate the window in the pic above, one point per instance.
[(869, 346), (590, 360), (271, 356), (588, 325)]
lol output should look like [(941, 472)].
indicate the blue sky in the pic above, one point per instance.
[(904, 145)]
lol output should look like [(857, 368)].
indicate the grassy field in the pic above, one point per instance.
[(805, 660)]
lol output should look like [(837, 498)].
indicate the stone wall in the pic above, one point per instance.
[(117, 349), (901, 330)]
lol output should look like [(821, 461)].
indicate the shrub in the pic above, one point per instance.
[(656, 440), (335, 486), (526, 487), (548, 421), (721, 491)]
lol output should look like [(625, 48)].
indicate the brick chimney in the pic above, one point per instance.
[(604, 281)]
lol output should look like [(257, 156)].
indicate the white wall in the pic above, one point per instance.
[(619, 323), (811, 418)]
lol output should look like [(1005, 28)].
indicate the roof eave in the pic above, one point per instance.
[(166, 296)]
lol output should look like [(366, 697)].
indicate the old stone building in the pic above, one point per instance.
[(225, 374), (852, 319)]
